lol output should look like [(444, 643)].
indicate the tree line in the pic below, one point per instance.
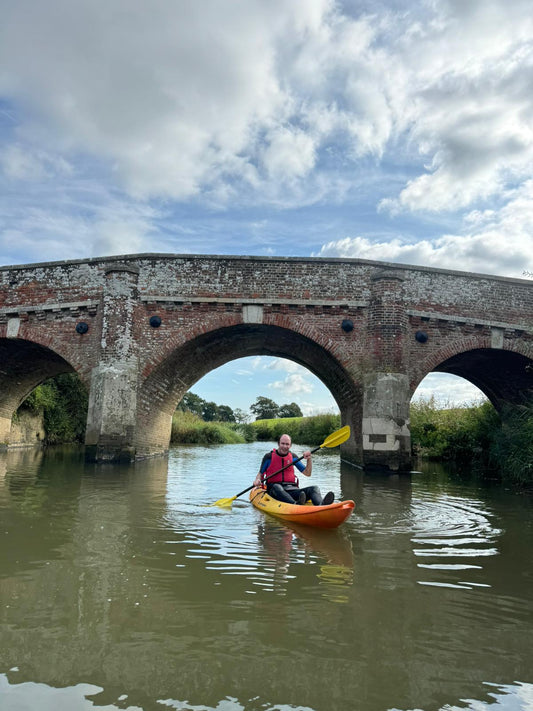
[(262, 409)]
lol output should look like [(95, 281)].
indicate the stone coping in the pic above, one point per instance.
[(27, 308), (260, 301), (470, 321)]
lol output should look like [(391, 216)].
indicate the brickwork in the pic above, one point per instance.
[(360, 326)]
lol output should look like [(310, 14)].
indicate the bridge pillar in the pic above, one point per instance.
[(385, 425), (5, 431), (112, 412), (386, 439)]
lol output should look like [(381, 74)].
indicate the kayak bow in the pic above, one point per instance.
[(329, 516)]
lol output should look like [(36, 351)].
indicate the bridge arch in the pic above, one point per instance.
[(504, 375), (24, 364), (162, 390)]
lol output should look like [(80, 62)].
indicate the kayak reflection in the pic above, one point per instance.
[(326, 555)]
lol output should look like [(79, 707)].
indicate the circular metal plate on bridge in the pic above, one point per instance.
[(155, 321), (82, 327), (347, 325), (421, 336)]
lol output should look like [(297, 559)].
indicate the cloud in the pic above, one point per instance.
[(19, 163), (181, 100), (287, 366), (54, 220), (493, 242), (292, 385), (282, 105), (448, 390)]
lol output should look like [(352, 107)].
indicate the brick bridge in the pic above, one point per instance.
[(141, 330)]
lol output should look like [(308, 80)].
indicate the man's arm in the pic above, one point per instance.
[(308, 467), (264, 464)]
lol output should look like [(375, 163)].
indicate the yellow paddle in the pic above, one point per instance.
[(333, 440)]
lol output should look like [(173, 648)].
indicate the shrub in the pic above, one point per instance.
[(302, 430), (456, 433), (188, 428), (63, 402), (511, 446)]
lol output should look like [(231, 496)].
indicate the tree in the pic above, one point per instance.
[(210, 411), (264, 408), (192, 403), (240, 416), (290, 410), (226, 414)]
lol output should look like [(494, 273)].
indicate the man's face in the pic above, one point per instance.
[(284, 444)]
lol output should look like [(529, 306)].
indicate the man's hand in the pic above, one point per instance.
[(308, 463)]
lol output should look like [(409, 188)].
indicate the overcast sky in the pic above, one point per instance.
[(377, 129)]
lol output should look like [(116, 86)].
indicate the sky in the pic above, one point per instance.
[(394, 130)]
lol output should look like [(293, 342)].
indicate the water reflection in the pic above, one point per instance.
[(120, 589)]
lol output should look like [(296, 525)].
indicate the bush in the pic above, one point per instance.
[(511, 446), (63, 402), (459, 433), (302, 430), (246, 431), (188, 428)]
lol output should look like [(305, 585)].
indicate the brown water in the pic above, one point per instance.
[(120, 589)]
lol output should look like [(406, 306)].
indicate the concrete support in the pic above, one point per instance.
[(385, 427), (352, 450), (112, 413), (5, 431)]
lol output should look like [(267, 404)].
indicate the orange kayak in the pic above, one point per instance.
[(329, 516)]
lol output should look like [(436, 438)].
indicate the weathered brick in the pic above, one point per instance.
[(477, 326)]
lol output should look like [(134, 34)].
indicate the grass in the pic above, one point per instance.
[(498, 446), (188, 428), (302, 430)]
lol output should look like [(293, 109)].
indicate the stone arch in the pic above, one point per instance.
[(504, 375), (24, 365), (166, 384)]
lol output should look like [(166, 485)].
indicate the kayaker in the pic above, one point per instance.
[(284, 485)]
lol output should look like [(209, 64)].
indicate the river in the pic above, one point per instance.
[(120, 588)]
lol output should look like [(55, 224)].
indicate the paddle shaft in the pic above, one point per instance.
[(279, 471)]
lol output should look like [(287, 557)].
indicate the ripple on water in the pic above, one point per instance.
[(458, 535)]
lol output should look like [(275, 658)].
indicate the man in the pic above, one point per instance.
[(283, 486)]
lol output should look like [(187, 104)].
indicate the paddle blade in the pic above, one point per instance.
[(224, 503), (336, 438)]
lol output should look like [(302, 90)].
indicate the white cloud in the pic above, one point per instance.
[(287, 366), (285, 104), (295, 384), (71, 222), (493, 242), (21, 163), (183, 99), (448, 390)]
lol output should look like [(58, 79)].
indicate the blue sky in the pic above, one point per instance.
[(385, 130)]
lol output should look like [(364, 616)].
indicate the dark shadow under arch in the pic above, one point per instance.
[(23, 366), (505, 377)]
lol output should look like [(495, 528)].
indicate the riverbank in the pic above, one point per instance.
[(495, 444), (188, 428)]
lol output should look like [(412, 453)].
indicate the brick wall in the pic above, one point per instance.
[(340, 318)]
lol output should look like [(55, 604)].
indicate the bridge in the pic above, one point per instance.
[(141, 330)]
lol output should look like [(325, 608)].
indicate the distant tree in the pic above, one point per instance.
[(226, 414), (192, 403), (291, 409), (264, 408), (210, 411), (240, 416)]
